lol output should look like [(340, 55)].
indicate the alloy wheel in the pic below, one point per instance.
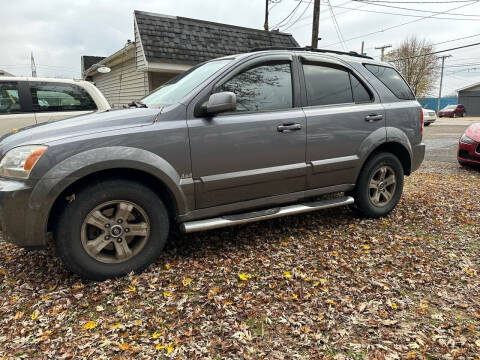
[(382, 186), (115, 231)]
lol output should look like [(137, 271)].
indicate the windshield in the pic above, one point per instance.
[(450, 107), (175, 89)]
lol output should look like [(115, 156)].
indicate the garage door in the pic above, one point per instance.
[(471, 100)]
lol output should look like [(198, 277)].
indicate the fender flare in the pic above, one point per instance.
[(80, 165)]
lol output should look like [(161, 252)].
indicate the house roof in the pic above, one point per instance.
[(182, 40), (472, 86), (88, 61)]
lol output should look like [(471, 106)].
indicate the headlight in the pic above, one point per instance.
[(466, 140), (19, 162)]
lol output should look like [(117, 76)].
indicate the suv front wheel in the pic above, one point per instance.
[(112, 228), (380, 185)]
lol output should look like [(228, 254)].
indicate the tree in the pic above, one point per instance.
[(421, 72)]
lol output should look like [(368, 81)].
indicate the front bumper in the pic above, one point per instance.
[(469, 153), (18, 221)]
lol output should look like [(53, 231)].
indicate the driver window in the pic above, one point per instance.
[(267, 86), (9, 99)]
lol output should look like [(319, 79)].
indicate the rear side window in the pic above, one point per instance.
[(392, 80), (9, 98), (327, 85), (264, 87), (60, 97)]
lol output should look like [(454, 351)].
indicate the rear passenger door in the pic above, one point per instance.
[(342, 112), (56, 101), (15, 107)]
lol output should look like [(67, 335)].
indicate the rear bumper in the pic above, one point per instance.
[(18, 221), (418, 154), (469, 153)]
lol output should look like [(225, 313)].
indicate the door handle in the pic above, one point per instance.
[(288, 127), (374, 117)]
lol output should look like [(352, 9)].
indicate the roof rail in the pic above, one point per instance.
[(308, 48)]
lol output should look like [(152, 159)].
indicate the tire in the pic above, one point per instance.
[(106, 203), (363, 193), (426, 124)]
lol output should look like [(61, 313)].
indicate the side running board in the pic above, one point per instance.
[(230, 220)]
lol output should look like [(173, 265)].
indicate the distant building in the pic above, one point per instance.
[(432, 103), (469, 96), (4, 73), (165, 46)]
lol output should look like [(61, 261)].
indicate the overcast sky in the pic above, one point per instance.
[(59, 32)]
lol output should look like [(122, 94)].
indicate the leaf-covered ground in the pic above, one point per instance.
[(325, 285)]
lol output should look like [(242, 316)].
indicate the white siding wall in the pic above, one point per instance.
[(123, 84), (140, 57)]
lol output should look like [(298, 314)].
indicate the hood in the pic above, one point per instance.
[(79, 125), (473, 132)]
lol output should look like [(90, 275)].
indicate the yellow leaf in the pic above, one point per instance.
[(124, 346), (330, 302), (335, 253), (167, 294), (366, 246), (14, 299), (393, 305), (244, 276), (288, 275), (167, 266), (19, 315), (295, 296), (156, 335), (323, 281), (90, 325), (160, 347), (186, 281), (116, 326), (170, 348), (284, 243), (131, 288), (308, 278), (468, 272), (35, 314)]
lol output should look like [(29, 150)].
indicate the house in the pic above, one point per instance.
[(165, 46), (4, 73), (469, 96)]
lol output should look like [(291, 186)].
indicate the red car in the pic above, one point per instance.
[(469, 146), (452, 111)]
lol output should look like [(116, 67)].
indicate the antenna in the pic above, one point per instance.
[(34, 68)]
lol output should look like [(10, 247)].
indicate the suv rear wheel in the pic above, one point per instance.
[(112, 228), (380, 185)]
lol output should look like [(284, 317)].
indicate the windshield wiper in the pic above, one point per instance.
[(137, 104)]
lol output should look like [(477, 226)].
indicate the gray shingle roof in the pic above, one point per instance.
[(88, 61), (189, 41)]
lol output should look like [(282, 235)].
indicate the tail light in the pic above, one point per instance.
[(421, 120)]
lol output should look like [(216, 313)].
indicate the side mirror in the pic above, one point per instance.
[(221, 102)]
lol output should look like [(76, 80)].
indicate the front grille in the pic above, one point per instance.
[(464, 154)]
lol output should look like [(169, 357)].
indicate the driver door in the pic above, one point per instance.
[(257, 151)]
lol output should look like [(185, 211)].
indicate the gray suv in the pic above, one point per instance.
[(233, 140)]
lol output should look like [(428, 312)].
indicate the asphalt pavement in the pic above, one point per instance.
[(441, 138)]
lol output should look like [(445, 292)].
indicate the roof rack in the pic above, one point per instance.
[(308, 48)]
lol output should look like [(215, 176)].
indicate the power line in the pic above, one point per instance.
[(337, 27), (419, 10), (438, 52), (288, 16), (301, 15), (417, 2), (399, 25)]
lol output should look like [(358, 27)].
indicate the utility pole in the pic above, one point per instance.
[(32, 65), (441, 81), (265, 26), (316, 23), (383, 50), (363, 46)]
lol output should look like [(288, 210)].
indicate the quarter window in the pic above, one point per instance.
[(60, 97), (327, 85), (263, 87), (392, 80), (360, 92), (9, 98)]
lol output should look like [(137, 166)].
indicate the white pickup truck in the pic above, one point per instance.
[(28, 101)]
